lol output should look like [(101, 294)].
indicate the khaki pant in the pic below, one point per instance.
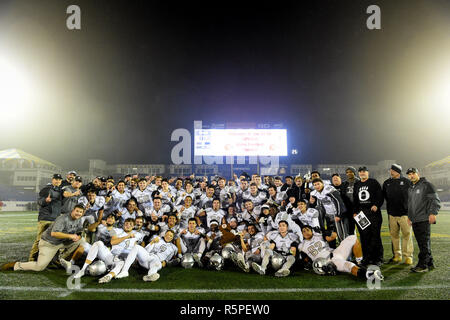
[(397, 224), (46, 253), (42, 226)]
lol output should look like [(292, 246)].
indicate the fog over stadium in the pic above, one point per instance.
[(138, 70)]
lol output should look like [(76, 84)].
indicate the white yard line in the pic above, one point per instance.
[(246, 290)]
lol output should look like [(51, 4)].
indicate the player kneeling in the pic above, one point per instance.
[(151, 257), (326, 261)]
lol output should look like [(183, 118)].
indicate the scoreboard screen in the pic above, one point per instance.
[(240, 142)]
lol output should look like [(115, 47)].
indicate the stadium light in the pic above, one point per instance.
[(15, 93)]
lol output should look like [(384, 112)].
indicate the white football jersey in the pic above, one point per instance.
[(163, 227), (316, 247), (126, 214), (187, 214), (164, 250), (93, 209), (128, 244), (257, 199), (118, 199), (282, 244), (251, 216), (255, 241), (214, 215), (205, 202), (310, 217), (144, 199), (181, 195), (325, 199), (103, 234), (165, 208)]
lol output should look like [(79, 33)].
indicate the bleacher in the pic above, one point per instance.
[(10, 193)]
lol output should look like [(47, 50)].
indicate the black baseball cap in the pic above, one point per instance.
[(412, 170), (57, 176), (364, 168), (78, 178)]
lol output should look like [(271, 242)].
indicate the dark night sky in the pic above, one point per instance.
[(140, 69)]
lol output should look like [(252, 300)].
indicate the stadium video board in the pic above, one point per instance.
[(240, 142)]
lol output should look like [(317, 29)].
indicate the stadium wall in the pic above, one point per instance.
[(16, 205)]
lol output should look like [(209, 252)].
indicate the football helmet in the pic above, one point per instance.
[(277, 261), (187, 261), (324, 266), (97, 268), (216, 261)]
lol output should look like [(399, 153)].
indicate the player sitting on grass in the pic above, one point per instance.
[(122, 241), (192, 244), (280, 252), (251, 251), (151, 257), (103, 234), (326, 260)]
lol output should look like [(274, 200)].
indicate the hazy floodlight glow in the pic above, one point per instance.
[(440, 98), (240, 142), (15, 93)]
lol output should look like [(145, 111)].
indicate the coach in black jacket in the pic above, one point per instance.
[(50, 203), (368, 198), (395, 192), (423, 206)]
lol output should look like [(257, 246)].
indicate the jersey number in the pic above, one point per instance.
[(315, 248)]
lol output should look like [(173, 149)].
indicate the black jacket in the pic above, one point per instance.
[(367, 194), (347, 202), (422, 201), (395, 191), (49, 211)]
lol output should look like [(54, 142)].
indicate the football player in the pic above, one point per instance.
[(71, 194), (122, 241), (251, 213), (213, 246), (93, 204), (279, 248), (160, 209), (257, 197), (151, 257), (327, 200), (303, 215), (326, 260), (103, 233), (119, 196), (186, 211), (214, 213), (251, 251), (129, 211), (192, 244), (143, 196)]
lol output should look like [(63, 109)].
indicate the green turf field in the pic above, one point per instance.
[(17, 232)]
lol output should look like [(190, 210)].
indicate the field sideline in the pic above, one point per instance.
[(17, 232)]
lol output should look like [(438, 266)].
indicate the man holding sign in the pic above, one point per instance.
[(368, 199)]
